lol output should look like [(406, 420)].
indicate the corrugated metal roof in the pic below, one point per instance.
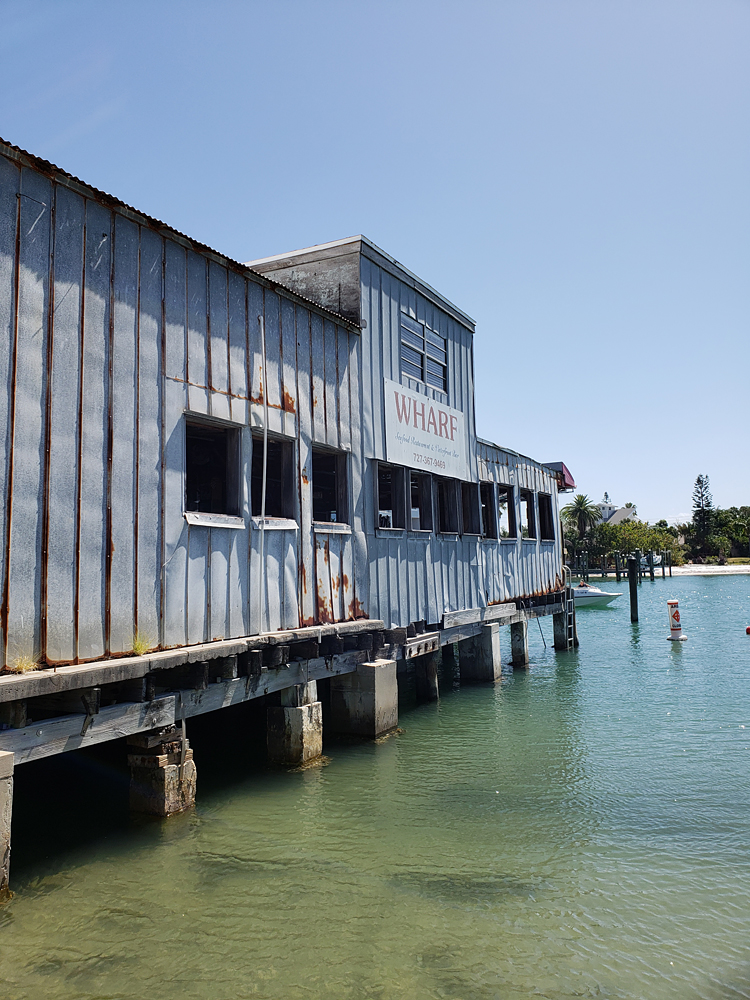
[(57, 173)]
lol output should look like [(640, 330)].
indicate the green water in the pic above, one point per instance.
[(580, 830)]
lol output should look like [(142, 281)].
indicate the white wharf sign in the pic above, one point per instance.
[(424, 434)]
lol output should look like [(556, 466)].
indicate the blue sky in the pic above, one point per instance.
[(572, 173)]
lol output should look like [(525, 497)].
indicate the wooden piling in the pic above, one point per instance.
[(633, 581), (618, 572), (651, 564)]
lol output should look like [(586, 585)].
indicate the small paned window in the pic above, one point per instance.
[(506, 512), (528, 524), (546, 522), (487, 510), (447, 502), (470, 508), (329, 489), (212, 458), (280, 480), (424, 354), (391, 499), (420, 492)]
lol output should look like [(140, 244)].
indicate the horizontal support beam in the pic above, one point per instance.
[(51, 736), (466, 631), (49, 680), (428, 642), (472, 616)]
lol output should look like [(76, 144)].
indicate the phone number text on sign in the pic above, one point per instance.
[(422, 459)]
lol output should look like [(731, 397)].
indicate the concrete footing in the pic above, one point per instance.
[(6, 812), (365, 702), (560, 631), (479, 657), (519, 644), (294, 732), (163, 777)]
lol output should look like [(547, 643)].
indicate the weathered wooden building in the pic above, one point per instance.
[(203, 460)]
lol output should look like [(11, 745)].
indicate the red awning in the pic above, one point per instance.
[(565, 479)]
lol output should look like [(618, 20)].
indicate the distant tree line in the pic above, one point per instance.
[(712, 535)]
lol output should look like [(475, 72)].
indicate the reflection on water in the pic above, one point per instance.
[(579, 830)]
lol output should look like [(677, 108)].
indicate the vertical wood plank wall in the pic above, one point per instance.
[(111, 330)]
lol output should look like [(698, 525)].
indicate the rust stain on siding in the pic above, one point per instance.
[(287, 403), (355, 609)]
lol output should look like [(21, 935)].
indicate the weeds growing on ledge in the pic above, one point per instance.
[(22, 664), (141, 644)]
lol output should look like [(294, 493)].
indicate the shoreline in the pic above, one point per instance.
[(697, 570), (690, 570)]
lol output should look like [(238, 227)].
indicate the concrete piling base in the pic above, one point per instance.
[(6, 811), (479, 657), (519, 644), (163, 776), (295, 734), (365, 702)]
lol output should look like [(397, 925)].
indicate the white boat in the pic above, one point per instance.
[(586, 596), (657, 560)]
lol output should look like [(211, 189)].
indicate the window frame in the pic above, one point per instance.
[(428, 352), (546, 517), (342, 485), (398, 497), (471, 515), (487, 510), (288, 475), (232, 464), (527, 497), (427, 503), (451, 506), (509, 491)]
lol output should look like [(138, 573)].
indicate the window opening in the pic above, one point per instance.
[(447, 506), (546, 521), (470, 508), (329, 486), (528, 525), (391, 507), (211, 468), (487, 510), (424, 354), (280, 488), (506, 512), (420, 489)]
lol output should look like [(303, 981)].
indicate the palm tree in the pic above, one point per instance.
[(581, 512)]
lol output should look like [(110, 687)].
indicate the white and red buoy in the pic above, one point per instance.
[(675, 627)]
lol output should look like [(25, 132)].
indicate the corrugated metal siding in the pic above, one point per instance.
[(415, 577), (109, 333)]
